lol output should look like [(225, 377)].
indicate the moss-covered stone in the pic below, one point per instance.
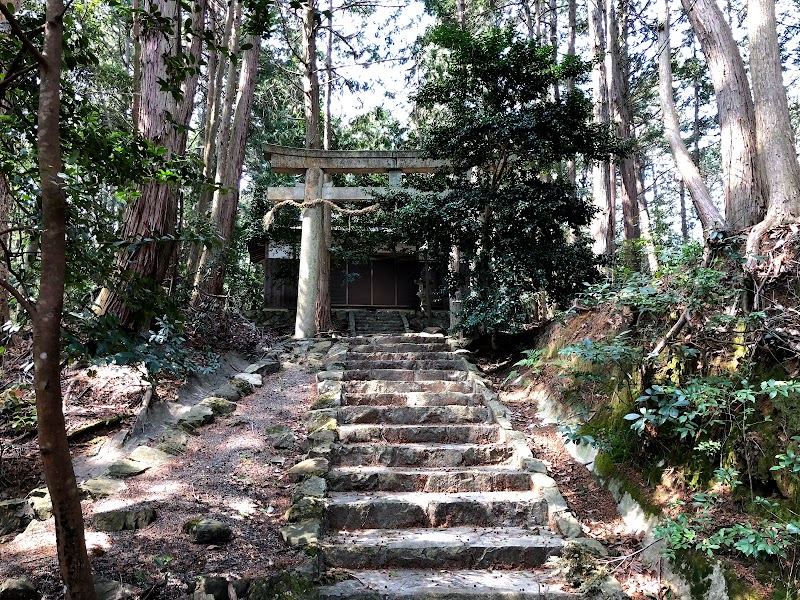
[(284, 586), (244, 388), (219, 406), (305, 509), (331, 399)]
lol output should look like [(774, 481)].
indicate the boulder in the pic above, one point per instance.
[(15, 514), (305, 509), (304, 533), (308, 468), (125, 467), (173, 442), (18, 588), (280, 436), (216, 587), (314, 487), (149, 456), (102, 487), (243, 387), (330, 375), (207, 531), (264, 367), (227, 391), (106, 589), (197, 416), (253, 379), (219, 406), (41, 503), (322, 346), (123, 519), (283, 586)]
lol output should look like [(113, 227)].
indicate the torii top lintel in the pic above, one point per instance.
[(284, 159)]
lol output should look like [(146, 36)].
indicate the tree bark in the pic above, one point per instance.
[(323, 304), (153, 215), (619, 93), (774, 133), (709, 216), (572, 10), (603, 223), (226, 199), (216, 76), (742, 177), (56, 461)]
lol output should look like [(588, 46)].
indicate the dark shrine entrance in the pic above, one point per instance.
[(378, 283)]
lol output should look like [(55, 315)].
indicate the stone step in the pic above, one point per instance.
[(412, 415), (395, 356), (414, 364), (422, 455), (402, 387), (452, 548), (497, 478), (539, 584), (400, 347), (415, 434), (405, 375), (413, 399), (405, 338), (381, 510)]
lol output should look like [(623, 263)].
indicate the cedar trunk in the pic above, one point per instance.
[(153, 215), (226, 199), (709, 216), (741, 171), (56, 461), (603, 223), (774, 133)]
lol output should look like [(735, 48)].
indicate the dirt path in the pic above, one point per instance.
[(229, 472)]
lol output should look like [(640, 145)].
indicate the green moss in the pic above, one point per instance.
[(695, 570), (284, 586), (327, 400)]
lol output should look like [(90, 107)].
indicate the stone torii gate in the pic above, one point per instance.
[(315, 164)]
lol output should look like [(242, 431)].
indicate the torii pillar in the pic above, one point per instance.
[(315, 164)]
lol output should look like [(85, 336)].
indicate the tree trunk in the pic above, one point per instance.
[(153, 214), (226, 199), (742, 178), (774, 133), (644, 219), (619, 92), (217, 66), (603, 223), (323, 320), (56, 461), (572, 10), (709, 216)]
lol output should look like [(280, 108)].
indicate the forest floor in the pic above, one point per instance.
[(229, 472)]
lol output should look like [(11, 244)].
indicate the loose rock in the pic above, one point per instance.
[(113, 590), (123, 519), (15, 514), (253, 379), (18, 588), (125, 467), (308, 467), (280, 436), (102, 487), (219, 406), (207, 531)]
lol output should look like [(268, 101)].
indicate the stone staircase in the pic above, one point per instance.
[(430, 492), (377, 322)]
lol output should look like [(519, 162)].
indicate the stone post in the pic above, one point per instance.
[(311, 237)]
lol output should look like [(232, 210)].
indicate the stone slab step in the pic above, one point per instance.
[(413, 399), (452, 548), (403, 387), (380, 510), (496, 478), (539, 584), (412, 364), (400, 347), (405, 375), (415, 434), (413, 415), (405, 338), (422, 455), (395, 356)]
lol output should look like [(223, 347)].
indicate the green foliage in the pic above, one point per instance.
[(508, 206), (17, 410)]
